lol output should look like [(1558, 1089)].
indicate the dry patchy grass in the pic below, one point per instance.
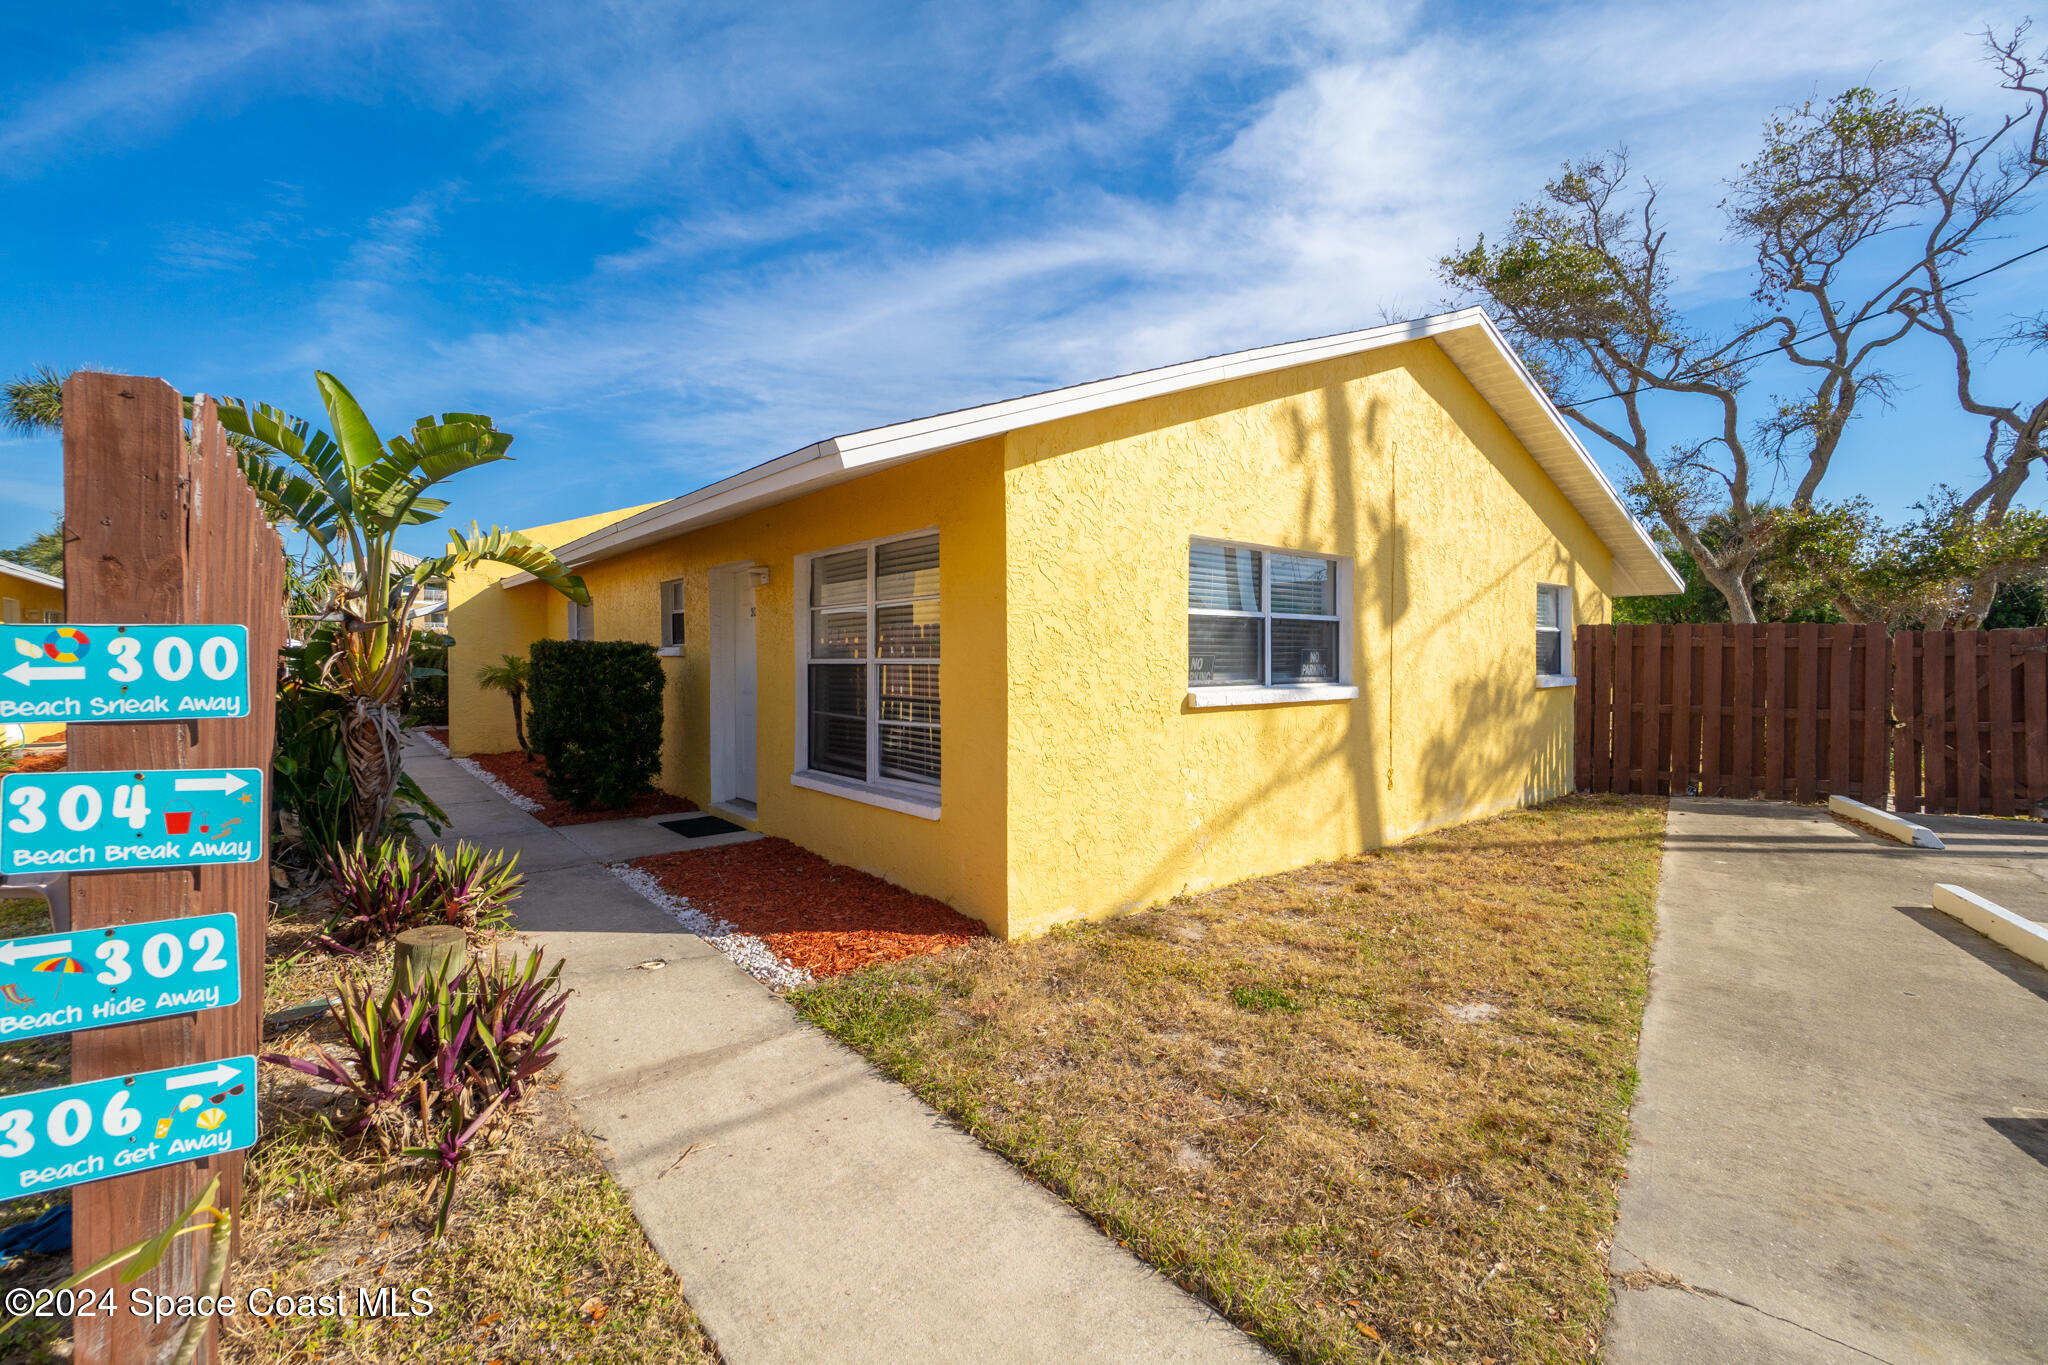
[(33, 1065), (1375, 1108), (543, 1258)]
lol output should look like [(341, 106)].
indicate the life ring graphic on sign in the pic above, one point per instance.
[(66, 645)]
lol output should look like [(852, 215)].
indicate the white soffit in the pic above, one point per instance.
[(22, 571), (1467, 336)]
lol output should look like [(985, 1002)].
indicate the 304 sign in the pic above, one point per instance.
[(83, 673), (104, 822)]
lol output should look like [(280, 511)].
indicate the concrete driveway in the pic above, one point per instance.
[(1841, 1128)]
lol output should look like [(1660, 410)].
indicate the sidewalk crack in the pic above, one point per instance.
[(1653, 1277)]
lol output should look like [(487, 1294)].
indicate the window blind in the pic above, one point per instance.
[(873, 662), (1261, 616), (1552, 612), (672, 613)]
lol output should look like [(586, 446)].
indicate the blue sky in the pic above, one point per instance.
[(660, 243)]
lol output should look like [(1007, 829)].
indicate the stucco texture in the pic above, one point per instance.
[(1078, 782), (487, 624), (32, 599), (1121, 795), (958, 857)]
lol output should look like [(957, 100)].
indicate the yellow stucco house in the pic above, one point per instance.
[(1069, 654), (28, 595)]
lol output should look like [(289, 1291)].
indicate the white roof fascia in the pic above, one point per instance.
[(23, 571), (1467, 336)]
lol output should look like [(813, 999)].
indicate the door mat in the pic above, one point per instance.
[(700, 826)]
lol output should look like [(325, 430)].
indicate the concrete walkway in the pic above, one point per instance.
[(1841, 1130), (814, 1209)]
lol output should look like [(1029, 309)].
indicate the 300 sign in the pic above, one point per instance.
[(89, 672), (172, 659)]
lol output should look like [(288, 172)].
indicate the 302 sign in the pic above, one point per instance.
[(166, 817), (121, 974)]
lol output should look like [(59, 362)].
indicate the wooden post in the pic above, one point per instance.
[(1583, 710), (153, 536)]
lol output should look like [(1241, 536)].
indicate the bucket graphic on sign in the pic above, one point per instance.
[(178, 821)]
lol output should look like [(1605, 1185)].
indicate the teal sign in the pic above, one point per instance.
[(74, 1134), (72, 674), (130, 821), (90, 978)]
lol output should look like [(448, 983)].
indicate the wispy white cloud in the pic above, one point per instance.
[(1384, 140), (154, 78), (837, 216)]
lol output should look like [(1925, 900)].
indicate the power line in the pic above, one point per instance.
[(1774, 348)]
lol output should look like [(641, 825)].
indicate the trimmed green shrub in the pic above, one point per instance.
[(596, 719)]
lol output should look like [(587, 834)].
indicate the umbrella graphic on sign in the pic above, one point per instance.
[(61, 966)]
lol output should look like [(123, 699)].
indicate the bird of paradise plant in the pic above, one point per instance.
[(351, 493)]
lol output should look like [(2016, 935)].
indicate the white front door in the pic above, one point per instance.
[(732, 685)]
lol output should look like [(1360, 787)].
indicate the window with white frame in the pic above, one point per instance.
[(871, 705), (1259, 617), (1553, 631), (672, 613), (582, 621)]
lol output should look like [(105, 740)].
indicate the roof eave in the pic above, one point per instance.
[(1639, 569)]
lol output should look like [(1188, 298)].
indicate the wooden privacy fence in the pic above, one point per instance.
[(1928, 720)]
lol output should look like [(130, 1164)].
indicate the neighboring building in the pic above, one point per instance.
[(30, 595), (1198, 623), (431, 610)]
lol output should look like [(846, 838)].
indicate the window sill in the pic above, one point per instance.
[(669, 652), (1201, 697), (1555, 680), (897, 800)]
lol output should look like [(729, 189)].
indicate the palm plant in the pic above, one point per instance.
[(351, 493), (510, 677), (33, 403)]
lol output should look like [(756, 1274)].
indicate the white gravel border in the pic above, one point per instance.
[(420, 733), (755, 957), (484, 775)]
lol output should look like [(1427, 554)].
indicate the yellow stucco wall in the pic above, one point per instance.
[(958, 857), (1120, 795), (487, 624), (32, 599), (1077, 781)]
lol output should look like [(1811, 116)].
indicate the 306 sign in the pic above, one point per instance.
[(98, 822), (73, 1134), (84, 673)]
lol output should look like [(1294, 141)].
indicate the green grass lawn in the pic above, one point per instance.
[(1371, 1109)]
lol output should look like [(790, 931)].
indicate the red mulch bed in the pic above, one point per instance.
[(438, 733), (813, 914), (523, 775), (48, 762)]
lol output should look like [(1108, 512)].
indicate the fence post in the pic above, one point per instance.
[(141, 514)]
